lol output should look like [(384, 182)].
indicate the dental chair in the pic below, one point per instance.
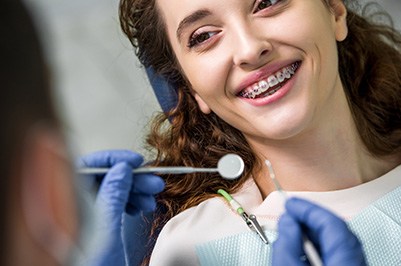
[(136, 229)]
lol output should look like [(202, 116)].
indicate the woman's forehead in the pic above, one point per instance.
[(175, 11), (180, 14)]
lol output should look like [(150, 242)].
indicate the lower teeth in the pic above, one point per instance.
[(271, 92)]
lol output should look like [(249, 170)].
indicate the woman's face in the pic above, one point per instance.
[(268, 68)]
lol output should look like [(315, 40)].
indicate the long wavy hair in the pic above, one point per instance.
[(370, 70)]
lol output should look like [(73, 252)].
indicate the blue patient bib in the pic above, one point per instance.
[(378, 227), (241, 249)]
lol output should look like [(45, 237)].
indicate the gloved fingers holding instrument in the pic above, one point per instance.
[(120, 190), (336, 244)]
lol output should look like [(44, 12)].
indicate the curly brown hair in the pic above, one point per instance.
[(370, 70)]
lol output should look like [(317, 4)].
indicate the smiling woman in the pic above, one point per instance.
[(312, 86)]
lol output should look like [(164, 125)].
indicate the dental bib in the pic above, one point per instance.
[(378, 227)]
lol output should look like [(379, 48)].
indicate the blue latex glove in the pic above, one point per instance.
[(120, 190), (336, 244)]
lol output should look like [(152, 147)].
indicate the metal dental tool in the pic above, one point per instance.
[(230, 166), (250, 220), (310, 251)]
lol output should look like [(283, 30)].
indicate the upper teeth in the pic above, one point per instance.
[(271, 81)]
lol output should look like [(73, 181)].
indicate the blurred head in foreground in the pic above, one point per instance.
[(40, 214)]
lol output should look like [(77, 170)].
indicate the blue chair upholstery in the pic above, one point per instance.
[(135, 235), (136, 229), (165, 92)]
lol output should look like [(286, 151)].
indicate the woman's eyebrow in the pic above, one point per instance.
[(197, 15)]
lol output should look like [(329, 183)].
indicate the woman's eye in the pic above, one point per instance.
[(198, 38), (262, 4)]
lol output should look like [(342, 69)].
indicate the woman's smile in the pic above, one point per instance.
[(271, 84), (264, 91)]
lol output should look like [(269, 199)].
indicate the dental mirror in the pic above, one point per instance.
[(230, 166)]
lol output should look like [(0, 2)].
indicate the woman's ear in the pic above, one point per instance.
[(203, 106), (339, 10)]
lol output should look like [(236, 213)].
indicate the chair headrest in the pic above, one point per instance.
[(164, 90)]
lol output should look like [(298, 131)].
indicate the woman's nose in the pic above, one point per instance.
[(250, 47)]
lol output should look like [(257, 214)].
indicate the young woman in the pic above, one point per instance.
[(311, 86)]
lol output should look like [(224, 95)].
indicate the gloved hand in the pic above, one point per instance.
[(120, 190), (336, 244)]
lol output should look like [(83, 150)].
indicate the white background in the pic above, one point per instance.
[(102, 91)]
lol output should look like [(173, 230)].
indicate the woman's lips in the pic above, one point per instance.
[(271, 84), (276, 92)]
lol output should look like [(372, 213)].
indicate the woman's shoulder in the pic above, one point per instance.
[(177, 241), (203, 216)]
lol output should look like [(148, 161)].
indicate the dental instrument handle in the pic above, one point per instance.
[(230, 167), (144, 170), (310, 250), (273, 178)]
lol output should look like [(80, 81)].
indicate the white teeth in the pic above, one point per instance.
[(255, 91), (263, 85), (287, 73), (280, 76), (271, 81), (272, 91)]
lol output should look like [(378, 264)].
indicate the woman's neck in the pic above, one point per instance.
[(320, 160)]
